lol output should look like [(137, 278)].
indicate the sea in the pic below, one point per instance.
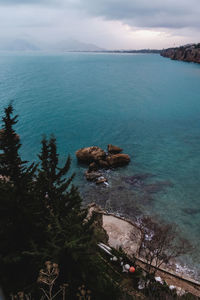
[(144, 103)]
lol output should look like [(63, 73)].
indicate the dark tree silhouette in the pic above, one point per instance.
[(11, 165)]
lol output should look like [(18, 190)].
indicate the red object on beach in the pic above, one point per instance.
[(132, 270)]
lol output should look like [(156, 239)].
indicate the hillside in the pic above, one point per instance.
[(18, 45), (189, 53), (70, 45)]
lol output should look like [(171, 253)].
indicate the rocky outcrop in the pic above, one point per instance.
[(93, 167), (189, 53), (114, 149), (95, 212), (103, 164), (90, 154), (118, 160), (97, 159)]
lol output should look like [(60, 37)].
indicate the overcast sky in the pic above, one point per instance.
[(111, 24)]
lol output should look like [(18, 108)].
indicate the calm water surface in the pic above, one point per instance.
[(146, 104)]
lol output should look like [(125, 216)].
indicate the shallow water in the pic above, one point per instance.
[(146, 104)]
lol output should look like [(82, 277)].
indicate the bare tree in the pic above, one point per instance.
[(160, 244)]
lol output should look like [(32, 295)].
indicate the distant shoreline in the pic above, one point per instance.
[(143, 51)]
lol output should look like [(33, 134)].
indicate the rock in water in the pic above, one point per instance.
[(95, 176), (93, 167), (90, 154), (97, 158), (118, 160), (101, 180), (92, 176), (114, 149), (103, 164)]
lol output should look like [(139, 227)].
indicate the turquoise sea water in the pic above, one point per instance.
[(146, 104)]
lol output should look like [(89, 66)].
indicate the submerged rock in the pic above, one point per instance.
[(191, 211), (101, 179), (96, 177), (92, 176), (157, 186), (137, 179)]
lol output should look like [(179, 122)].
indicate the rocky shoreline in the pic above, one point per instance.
[(120, 232), (124, 194), (188, 53)]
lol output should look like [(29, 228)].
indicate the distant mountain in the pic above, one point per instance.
[(74, 45), (18, 45), (189, 53), (62, 46)]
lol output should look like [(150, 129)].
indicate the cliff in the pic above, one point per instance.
[(189, 53)]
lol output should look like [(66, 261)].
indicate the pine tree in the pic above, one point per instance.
[(69, 240), (41, 219), (11, 165), (17, 212), (52, 183)]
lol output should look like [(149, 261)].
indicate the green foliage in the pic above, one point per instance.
[(11, 165), (16, 196), (41, 219)]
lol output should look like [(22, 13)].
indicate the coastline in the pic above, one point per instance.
[(120, 232), (188, 53)]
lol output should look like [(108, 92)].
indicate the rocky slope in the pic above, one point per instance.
[(189, 53)]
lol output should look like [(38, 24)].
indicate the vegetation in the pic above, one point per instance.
[(160, 244), (42, 221)]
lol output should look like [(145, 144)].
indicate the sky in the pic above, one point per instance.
[(110, 24)]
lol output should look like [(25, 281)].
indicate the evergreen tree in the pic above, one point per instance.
[(62, 202), (11, 165), (52, 183), (41, 219), (69, 241), (17, 217)]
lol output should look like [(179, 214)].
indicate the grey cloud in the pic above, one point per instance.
[(146, 13), (136, 13), (5, 2), (27, 2), (92, 20)]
